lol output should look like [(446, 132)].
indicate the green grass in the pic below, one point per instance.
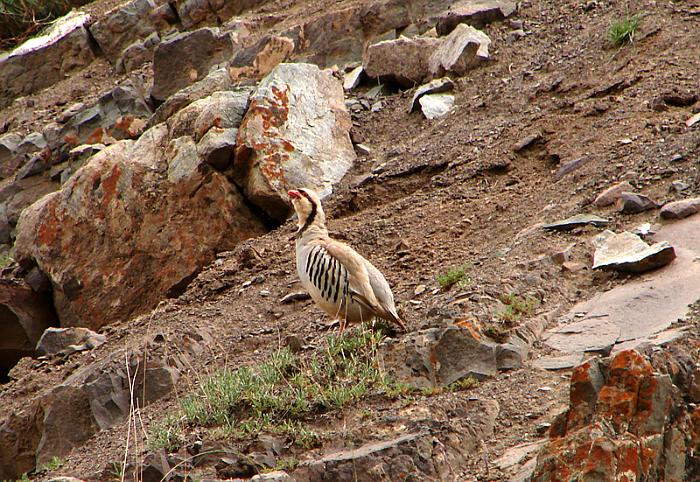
[(622, 30), (515, 307), (279, 394), (457, 275), (53, 464)]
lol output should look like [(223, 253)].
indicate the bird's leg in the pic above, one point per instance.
[(343, 322)]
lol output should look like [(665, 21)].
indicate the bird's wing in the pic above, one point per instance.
[(367, 284), (358, 276)]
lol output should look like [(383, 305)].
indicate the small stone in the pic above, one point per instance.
[(627, 252), (528, 141), (297, 296), (633, 203), (679, 186), (362, 150), (436, 105), (612, 194), (677, 158), (419, 290), (436, 86), (561, 257), (572, 266), (544, 389), (571, 166), (680, 209), (576, 221), (693, 120), (352, 79), (265, 293)]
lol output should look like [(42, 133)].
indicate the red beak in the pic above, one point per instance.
[(294, 194)]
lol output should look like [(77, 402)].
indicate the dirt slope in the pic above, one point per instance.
[(452, 191)]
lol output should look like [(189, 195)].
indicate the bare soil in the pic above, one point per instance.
[(447, 192)]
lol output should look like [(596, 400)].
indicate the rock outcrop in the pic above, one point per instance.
[(128, 228), (627, 420), (296, 133)]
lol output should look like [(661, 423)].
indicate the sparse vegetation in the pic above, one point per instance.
[(279, 393), (515, 307), (457, 275), (20, 19), (465, 383), (53, 464), (622, 30)]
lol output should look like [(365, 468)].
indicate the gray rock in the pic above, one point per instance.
[(218, 80), (576, 221), (571, 166), (217, 147), (66, 341), (403, 61), (8, 145), (680, 209), (633, 203), (353, 78), (119, 114), (437, 357), (555, 363), (259, 59), (612, 194), (181, 60), (128, 25), (137, 54), (430, 450), (435, 86), (477, 14), (627, 252), (436, 105), (42, 61), (221, 109), (295, 133), (459, 52), (679, 186), (276, 476)]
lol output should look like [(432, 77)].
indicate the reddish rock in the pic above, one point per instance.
[(623, 423), (134, 224), (680, 209), (612, 194)]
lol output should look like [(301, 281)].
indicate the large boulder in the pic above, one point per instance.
[(211, 12), (296, 133), (42, 61), (187, 57), (135, 224), (627, 420), (24, 315)]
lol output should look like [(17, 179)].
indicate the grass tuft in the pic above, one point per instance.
[(622, 30), (280, 393), (515, 307), (454, 276)]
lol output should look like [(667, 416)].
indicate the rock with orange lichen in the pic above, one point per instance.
[(135, 224), (625, 423), (295, 134)]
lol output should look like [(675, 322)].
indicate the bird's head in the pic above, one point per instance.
[(308, 207)]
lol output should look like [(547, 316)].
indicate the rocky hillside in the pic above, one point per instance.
[(525, 175)]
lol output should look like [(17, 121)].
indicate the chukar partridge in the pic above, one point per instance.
[(341, 282)]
